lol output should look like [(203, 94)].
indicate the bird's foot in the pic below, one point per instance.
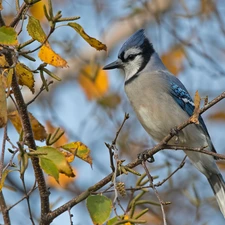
[(146, 157)]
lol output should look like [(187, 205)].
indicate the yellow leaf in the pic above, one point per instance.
[(80, 150), (51, 129), (38, 130), (126, 217), (3, 62), (194, 117), (69, 156), (3, 105), (90, 40), (47, 55), (37, 10), (35, 30), (25, 76), (173, 59), (64, 181), (94, 81), (4, 175), (217, 116)]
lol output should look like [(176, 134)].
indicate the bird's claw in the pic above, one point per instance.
[(145, 157)]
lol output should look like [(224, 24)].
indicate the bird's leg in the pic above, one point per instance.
[(145, 156)]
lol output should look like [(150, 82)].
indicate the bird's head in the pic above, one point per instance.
[(133, 55)]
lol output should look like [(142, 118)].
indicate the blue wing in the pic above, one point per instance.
[(184, 100)]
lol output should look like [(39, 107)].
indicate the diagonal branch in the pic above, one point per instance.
[(151, 152)]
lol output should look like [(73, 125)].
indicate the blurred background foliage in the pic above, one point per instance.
[(89, 104)]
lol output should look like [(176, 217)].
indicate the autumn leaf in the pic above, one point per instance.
[(110, 101), (4, 175), (207, 7), (80, 150), (173, 59), (8, 36), (90, 40), (217, 116), (194, 117), (54, 162), (47, 55), (37, 10), (25, 76), (94, 81), (63, 181), (38, 130), (3, 105)]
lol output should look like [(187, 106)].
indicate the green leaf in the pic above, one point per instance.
[(112, 221), (57, 158), (99, 208), (4, 175), (49, 167), (8, 36), (35, 30)]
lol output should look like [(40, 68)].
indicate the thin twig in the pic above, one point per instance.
[(155, 191), (70, 216), (41, 90), (3, 205), (24, 197), (22, 10)]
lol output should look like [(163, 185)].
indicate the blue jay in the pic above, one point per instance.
[(161, 102)]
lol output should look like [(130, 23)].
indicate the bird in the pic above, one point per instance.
[(161, 102)]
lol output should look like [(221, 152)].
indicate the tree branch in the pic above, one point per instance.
[(29, 140), (151, 152)]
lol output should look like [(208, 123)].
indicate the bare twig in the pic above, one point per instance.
[(23, 10), (4, 210), (70, 216), (155, 191), (40, 91), (24, 197), (3, 205)]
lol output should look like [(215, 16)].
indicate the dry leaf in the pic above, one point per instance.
[(25, 76), (173, 59), (217, 116), (38, 130), (47, 55), (94, 81), (90, 40), (207, 7), (64, 181), (80, 150), (194, 117)]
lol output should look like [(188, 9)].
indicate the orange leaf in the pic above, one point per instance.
[(173, 59), (38, 130), (217, 116), (64, 181), (194, 117), (94, 81), (47, 55)]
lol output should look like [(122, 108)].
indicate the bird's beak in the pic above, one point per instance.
[(114, 65)]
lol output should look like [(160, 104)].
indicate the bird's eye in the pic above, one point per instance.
[(131, 57)]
